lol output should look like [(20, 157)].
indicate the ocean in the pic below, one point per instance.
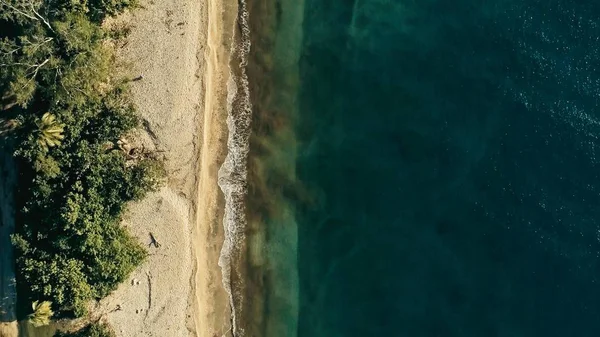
[(423, 168)]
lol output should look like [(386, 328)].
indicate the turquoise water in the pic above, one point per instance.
[(449, 151)]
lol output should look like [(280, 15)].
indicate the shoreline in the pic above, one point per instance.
[(179, 47), (214, 312), (181, 53)]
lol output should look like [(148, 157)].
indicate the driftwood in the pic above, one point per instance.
[(149, 295), (153, 241)]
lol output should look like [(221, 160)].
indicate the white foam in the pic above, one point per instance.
[(233, 173)]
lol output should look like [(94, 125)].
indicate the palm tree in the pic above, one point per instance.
[(50, 131), (42, 312)]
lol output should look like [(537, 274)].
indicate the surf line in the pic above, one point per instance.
[(232, 176)]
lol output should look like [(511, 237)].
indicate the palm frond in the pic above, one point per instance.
[(42, 313), (50, 131)]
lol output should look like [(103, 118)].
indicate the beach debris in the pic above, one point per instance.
[(124, 145), (117, 308), (133, 152), (153, 241), (139, 78), (135, 282), (168, 21), (149, 293)]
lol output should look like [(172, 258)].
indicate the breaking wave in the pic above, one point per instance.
[(233, 173)]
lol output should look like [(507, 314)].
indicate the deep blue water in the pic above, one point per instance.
[(451, 151)]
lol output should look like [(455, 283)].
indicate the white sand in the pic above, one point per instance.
[(180, 49)]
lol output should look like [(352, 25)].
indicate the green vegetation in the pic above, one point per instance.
[(42, 313), (66, 114), (93, 330), (50, 131)]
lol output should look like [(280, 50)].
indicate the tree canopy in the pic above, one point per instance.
[(70, 110)]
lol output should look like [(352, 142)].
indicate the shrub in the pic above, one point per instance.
[(56, 80), (99, 9), (92, 330)]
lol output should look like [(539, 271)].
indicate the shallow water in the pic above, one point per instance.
[(445, 171)]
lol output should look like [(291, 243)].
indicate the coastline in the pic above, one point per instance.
[(214, 313), (184, 57)]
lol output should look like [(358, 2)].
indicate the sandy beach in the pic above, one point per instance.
[(181, 48)]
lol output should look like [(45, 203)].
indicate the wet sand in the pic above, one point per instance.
[(213, 317)]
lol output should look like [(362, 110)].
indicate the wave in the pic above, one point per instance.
[(232, 176)]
